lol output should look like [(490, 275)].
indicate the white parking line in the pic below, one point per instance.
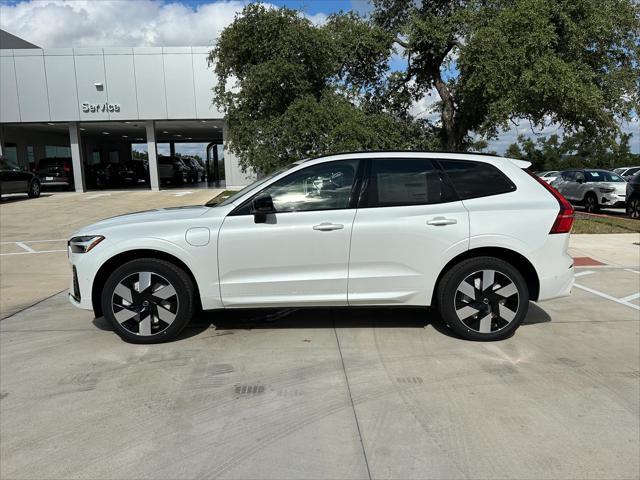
[(31, 253), (608, 297), (181, 194), (35, 241), (98, 195), (632, 271), (25, 247), (582, 274), (633, 296)]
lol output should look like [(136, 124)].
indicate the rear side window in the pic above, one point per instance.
[(397, 181), (476, 179)]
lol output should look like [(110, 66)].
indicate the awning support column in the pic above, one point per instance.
[(153, 155), (76, 157)]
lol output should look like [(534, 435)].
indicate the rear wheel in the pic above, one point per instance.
[(148, 300), (483, 298), (591, 203), (34, 189)]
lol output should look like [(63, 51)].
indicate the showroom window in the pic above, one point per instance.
[(326, 186), (396, 181), (57, 151), (476, 179)]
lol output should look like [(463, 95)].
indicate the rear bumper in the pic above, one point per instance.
[(554, 267)]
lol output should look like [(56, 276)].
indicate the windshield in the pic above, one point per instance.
[(602, 176), (257, 183)]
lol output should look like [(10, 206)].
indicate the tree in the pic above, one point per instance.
[(574, 151), (569, 62), (291, 90)]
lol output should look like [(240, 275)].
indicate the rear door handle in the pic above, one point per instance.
[(327, 227), (438, 221)]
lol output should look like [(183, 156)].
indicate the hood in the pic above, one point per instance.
[(148, 216)]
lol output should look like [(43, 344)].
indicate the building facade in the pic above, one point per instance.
[(94, 104)]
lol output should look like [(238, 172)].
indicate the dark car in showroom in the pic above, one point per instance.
[(196, 170), (172, 170), (633, 196), (14, 179), (55, 172), (105, 175)]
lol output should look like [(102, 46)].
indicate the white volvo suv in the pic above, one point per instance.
[(476, 236)]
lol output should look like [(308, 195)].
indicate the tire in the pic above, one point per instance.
[(481, 314), (633, 208), (591, 203), (34, 189), (155, 314)]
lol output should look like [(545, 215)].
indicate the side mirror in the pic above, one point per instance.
[(580, 180), (261, 206)]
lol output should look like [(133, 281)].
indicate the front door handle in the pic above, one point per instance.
[(327, 227), (438, 221)]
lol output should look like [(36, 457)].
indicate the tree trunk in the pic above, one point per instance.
[(451, 135)]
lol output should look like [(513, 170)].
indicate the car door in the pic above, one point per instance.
[(298, 252), (408, 224), (9, 176), (578, 187)]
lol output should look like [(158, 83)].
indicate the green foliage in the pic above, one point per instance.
[(291, 89), (569, 62), (578, 150)]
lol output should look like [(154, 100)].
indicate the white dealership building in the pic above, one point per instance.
[(94, 104)]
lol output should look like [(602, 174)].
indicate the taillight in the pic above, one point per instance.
[(66, 167), (564, 219)]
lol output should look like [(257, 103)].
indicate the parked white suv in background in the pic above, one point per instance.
[(477, 236), (592, 188)]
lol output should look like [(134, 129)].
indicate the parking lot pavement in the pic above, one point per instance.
[(320, 393), (335, 393), (33, 235)]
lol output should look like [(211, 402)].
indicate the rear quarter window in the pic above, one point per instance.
[(476, 179)]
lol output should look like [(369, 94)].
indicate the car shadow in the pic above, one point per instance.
[(17, 197), (225, 321)]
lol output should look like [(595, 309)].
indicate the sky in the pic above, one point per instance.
[(136, 23)]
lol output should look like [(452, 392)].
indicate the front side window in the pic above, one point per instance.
[(397, 181), (476, 179), (326, 186)]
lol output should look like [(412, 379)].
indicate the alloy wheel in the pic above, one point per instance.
[(634, 208), (486, 301), (590, 204), (35, 189), (145, 303)]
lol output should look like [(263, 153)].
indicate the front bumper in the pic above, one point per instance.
[(613, 200)]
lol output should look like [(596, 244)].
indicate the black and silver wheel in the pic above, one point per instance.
[(633, 208), (483, 298), (148, 300), (34, 189), (591, 203)]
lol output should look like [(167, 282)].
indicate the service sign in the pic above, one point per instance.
[(100, 107)]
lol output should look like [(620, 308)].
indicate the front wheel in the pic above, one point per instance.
[(34, 189), (633, 209), (483, 298), (591, 203), (148, 300)]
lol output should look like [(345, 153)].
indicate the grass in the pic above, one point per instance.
[(220, 197), (594, 224)]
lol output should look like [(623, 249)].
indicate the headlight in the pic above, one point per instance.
[(606, 189), (84, 244)]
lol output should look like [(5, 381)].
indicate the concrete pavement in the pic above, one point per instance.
[(44, 224), (319, 393)]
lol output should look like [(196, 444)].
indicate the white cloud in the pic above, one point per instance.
[(121, 23), (125, 23)]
